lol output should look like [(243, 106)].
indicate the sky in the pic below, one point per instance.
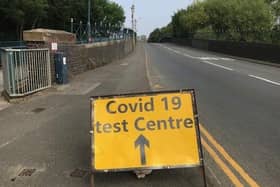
[(151, 14)]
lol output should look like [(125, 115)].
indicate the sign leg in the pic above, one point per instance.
[(91, 179), (204, 175)]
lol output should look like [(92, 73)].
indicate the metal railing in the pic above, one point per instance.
[(25, 71), (12, 44)]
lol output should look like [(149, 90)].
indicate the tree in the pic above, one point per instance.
[(17, 15), (196, 17), (60, 12), (187, 21), (20, 14), (275, 5), (155, 36), (239, 20), (109, 14), (167, 32), (178, 24)]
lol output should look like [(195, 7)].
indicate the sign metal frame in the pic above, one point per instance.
[(141, 94)]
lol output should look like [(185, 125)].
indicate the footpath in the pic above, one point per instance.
[(3, 103)]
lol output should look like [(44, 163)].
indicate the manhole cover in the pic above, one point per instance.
[(79, 173), (38, 110), (26, 172)]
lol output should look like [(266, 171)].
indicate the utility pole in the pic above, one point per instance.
[(132, 23), (135, 25), (132, 16), (88, 24)]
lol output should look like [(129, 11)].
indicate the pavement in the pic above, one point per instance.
[(3, 103), (45, 140), (1, 79)]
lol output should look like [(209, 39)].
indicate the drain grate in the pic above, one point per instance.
[(38, 110), (26, 172), (79, 173)]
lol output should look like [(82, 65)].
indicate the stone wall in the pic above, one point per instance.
[(84, 57)]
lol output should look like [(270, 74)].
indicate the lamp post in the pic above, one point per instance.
[(88, 24), (132, 24)]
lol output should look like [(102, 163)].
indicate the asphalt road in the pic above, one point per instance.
[(238, 103)]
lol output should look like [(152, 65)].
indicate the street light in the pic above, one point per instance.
[(88, 24), (132, 19), (132, 16)]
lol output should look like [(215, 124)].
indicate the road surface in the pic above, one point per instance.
[(238, 103)]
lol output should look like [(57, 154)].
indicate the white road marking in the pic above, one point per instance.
[(264, 79), (229, 59), (217, 65), (211, 171), (200, 58), (124, 64), (187, 55), (91, 88), (8, 142), (208, 58)]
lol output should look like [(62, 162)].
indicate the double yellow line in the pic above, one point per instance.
[(234, 179)]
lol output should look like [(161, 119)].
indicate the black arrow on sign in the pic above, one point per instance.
[(142, 142)]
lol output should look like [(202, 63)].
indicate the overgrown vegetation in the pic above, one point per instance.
[(235, 20), (18, 15)]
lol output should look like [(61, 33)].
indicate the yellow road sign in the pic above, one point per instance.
[(154, 130)]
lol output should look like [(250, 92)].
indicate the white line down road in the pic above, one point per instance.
[(220, 66), (266, 80)]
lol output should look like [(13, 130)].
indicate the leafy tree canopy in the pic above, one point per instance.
[(17, 15), (240, 20)]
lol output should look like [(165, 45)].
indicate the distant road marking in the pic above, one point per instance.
[(233, 163), (199, 58), (91, 88), (187, 55), (214, 175), (266, 80), (8, 142), (157, 86), (217, 65), (221, 164), (124, 64), (208, 58)]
